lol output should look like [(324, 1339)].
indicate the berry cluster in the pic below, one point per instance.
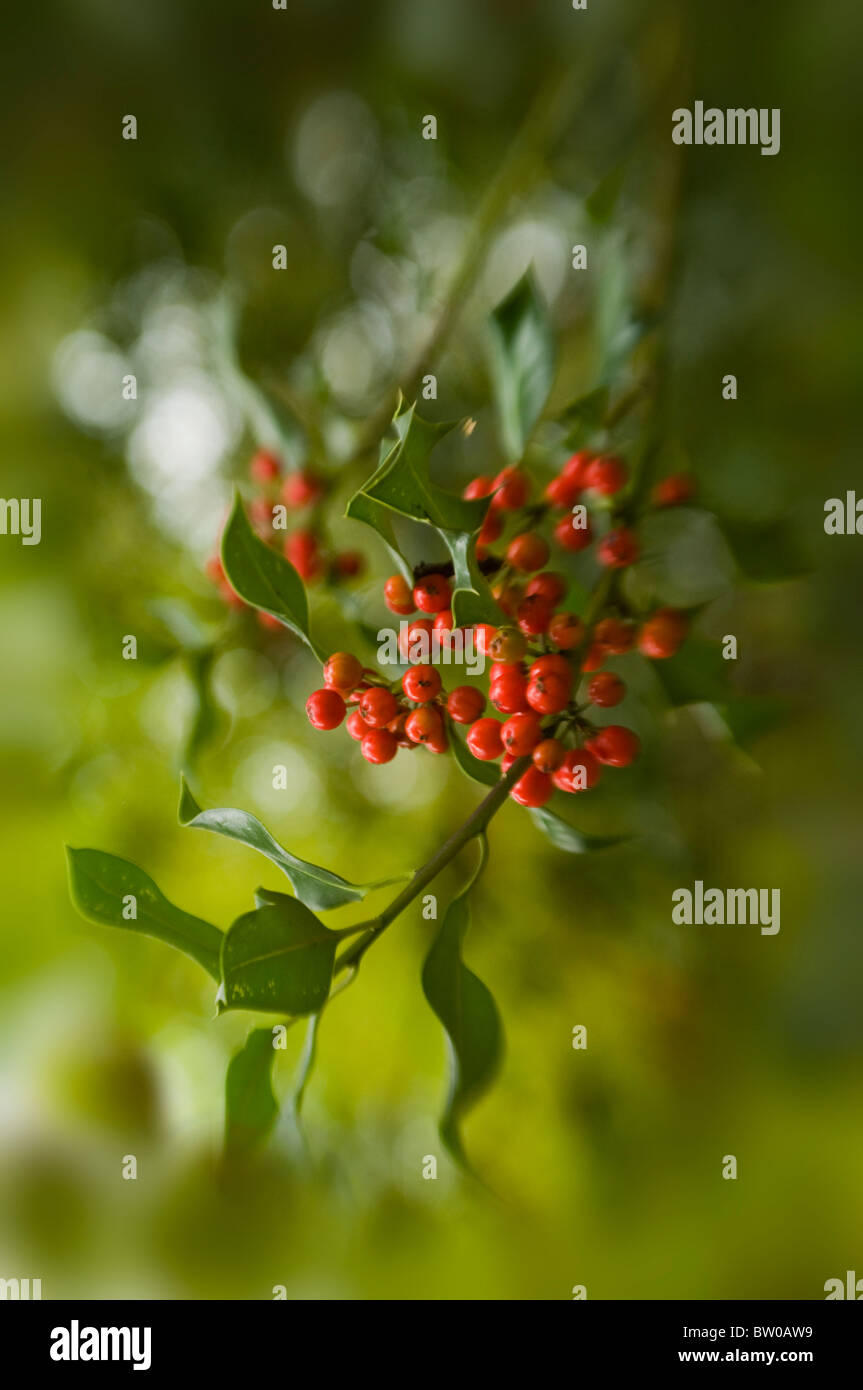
[(301, 493)]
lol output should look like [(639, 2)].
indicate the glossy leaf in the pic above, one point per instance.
[(251, 1108), (316, 887), (468, 1013), (522, 363), (105, 887), (765, 551), (306, 1064), (472, 599), (554, 821), (363, 508), (263, 577), (277, 959), (402, 483)]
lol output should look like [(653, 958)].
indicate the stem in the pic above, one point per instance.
[(475, 824)]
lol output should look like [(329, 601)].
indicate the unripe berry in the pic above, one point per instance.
[(615, 745), (378, 707), (548, 694), (551, 664), (534, 615), (548, 755), (424, 725), (578, 772), (302, 550), (606, 475), (663, 633), (508, 597), (478, 487), (566, 631), (421, 683), (302, 488), (521, 733), (618, 549), (432, 593), (507, 645), (615, 635), (527, 552), (511, 490), (398, 596), (356, 725), (264, 467), (343, 671), (672, 491), (379, 746), (549, 585), (605, 689), (533, 788), (572, 537), (483, 739), (325, 709), (465, 704)]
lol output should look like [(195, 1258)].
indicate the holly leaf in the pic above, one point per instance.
[(696, 674), (468, 1013), (765, 551), (553, 820), (402, 483), (522, 359), (250, 1106), (318, 888), (277, 959), (363, 508), (264, 578), (472, 599), (487, 774), (106, 889)]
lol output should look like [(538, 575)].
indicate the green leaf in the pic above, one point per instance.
[(316, 887), (250, 1106), (468, 1013), (685, 559), (487, 774), (522, 363), (696, 674), (472, 599), (104, 886), (553, 820), (277, 959), (765, 551), (585, 416), (366, 509), (750, 716), (205, 720), (601, 203), (402, 484), (305, 1065), (263, 578)]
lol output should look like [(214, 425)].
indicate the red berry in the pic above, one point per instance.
[(343, 671), (432, 593), (510, 696), (302, 488), (566, 631), (438, 743), (575, 468), (615, 745), (562, 493), (421, 683), (533, 788), (490, 530), (378, 706), (605, 689), (349, 563), (548, 755), (442, 623), (594, 658), (549, 585), (424, 725), (483, 739), (548, 694), (606, 475), (483, 635), (551, 664), (261, 514), (507, 645), (506, 763), (303, 552), (264, 467), (465, 704), (527, 552), (663, 633), (511, 490), (618, 549), (534, 615), (325, 708), (398, 596), (415, 635), (573, 537), (578, 772), (672, 491), (508, 597), (379, 746), (478, 487), (215, 570), (615, 635), (521, 733), (356, 725)]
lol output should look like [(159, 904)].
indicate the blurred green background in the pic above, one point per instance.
[(301, 127)]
